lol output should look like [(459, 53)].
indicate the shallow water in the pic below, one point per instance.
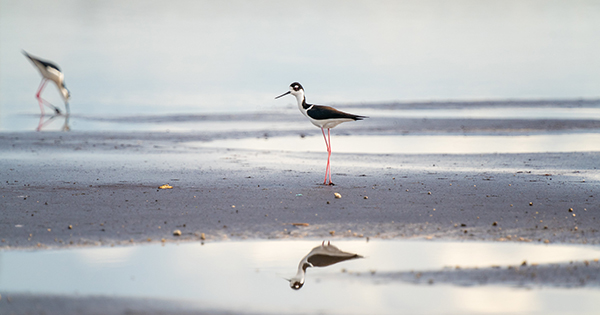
[(248, 276), (420, 144)]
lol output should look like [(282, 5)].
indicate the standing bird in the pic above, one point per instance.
[(50, 71), (320, 256), (324, 117)]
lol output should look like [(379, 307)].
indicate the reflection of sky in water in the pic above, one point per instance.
[(248, 275), (573, 142), (205, 56)]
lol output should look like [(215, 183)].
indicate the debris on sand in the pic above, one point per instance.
[(165, 186), (300, 224), (337, 195), (177, 233)]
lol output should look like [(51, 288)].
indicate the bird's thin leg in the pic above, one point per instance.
[(37, 96), (43, 101), (41, 87), (328, 153)]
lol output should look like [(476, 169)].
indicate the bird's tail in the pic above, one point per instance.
[(26, 54)]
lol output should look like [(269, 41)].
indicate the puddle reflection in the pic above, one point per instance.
[(320, 256), (421, 144), (246, 276), (45, 123)]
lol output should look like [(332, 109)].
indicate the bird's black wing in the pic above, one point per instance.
[(319, 112), (320, 260), (45, 63)]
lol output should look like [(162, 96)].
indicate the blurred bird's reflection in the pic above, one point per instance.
[(44, 123), (321, 256)]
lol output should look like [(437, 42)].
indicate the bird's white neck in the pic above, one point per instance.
[(299, 277), (301, 99)]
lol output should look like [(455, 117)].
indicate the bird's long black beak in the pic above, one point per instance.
[(284, 94)]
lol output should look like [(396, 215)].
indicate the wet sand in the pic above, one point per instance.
[(101, 189), (105, 186)]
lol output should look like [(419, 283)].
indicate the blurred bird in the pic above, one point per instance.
[(50, 71), (320, 256), (324, 117)]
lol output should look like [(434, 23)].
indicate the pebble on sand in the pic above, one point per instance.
[(202, 236), (337, 195), (177, 233), (70, 227), (570, 209)]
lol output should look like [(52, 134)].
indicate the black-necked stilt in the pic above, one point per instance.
[(50, 71), (320, 256), (324, 117)]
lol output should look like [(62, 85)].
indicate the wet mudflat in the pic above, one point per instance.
[(519, 183)]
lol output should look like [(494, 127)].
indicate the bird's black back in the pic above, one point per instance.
[(319, 112), (45, 63)]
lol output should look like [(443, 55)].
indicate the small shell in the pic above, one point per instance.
[(177, 233), (337, 195)]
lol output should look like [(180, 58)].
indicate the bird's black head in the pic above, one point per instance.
[(296, 86)]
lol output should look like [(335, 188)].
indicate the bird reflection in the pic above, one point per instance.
[(44, 123), (321, 256)]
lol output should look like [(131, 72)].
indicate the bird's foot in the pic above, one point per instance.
[(57, 110)]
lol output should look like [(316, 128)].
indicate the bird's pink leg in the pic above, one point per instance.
[(328, 154), (41, 87), (43, 101), (37, 96)]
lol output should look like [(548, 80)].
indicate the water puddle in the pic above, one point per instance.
[(425, 144), (249, 276), (584, 113)]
